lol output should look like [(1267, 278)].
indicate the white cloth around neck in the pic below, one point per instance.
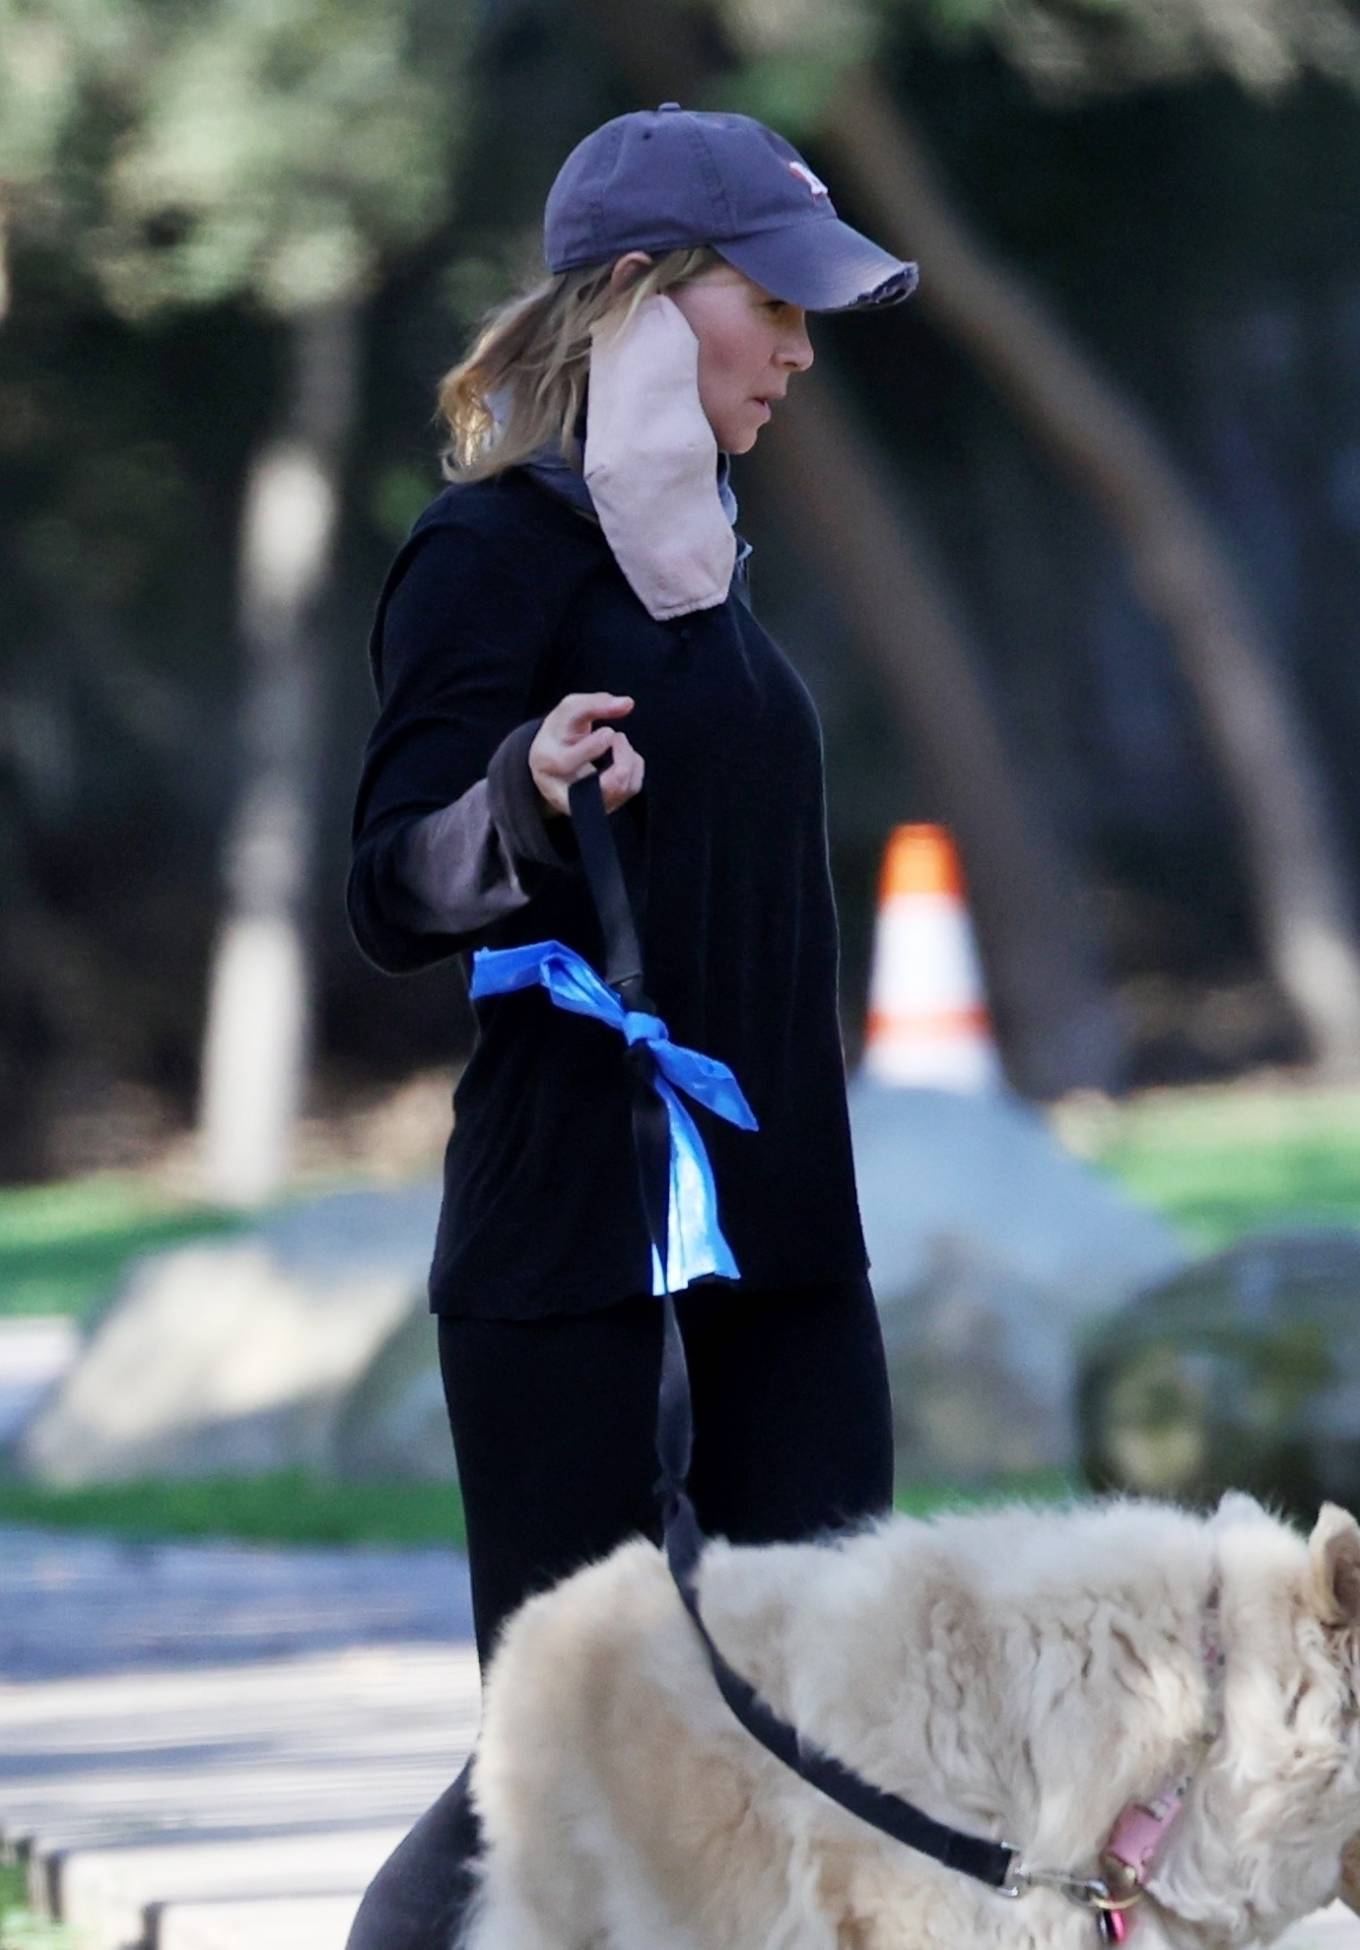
[(651, 462)]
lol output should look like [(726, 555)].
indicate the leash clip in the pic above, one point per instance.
[(1087, 1892)]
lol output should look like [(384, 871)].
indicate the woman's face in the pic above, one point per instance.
[(750, 346)]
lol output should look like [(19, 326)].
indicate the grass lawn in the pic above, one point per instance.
[(287, 1507), (292, 1508), (61, 1246), (19, 1928), (1224, 1161), (1217, 1162)]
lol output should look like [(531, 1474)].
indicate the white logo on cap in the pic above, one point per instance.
[(814, 183)]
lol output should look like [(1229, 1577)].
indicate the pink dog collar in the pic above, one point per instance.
[(1141, 1831), (1140, 1834), (1135, 1842)]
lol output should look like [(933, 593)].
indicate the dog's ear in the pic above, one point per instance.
[(1334, 1566), (1349, 1887)]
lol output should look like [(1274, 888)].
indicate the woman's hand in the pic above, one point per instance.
[(566, 747)]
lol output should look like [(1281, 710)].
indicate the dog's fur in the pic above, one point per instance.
[(1020, 1674)]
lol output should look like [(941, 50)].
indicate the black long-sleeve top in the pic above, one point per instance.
[(504, 598)]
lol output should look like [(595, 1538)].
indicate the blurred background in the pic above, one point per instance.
[(1066, 550)]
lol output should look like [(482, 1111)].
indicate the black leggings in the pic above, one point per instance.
[(554, 1426)]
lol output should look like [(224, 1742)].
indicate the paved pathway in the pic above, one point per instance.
[(76, 1604), (212, 1747)]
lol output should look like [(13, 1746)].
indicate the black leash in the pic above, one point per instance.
[(989, 1862)]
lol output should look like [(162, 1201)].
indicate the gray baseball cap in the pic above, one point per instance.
[(669, 178)]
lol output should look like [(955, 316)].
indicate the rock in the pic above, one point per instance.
[(1242, 1372), (933, 1164), (982, 1373), (35, 1352), (234, 1356), (393, 1423), (992, 1250), (307, 1342)]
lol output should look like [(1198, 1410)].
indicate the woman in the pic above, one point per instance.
[(577, 597)]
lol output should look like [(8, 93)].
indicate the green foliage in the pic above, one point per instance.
[(284, 1507), (283, 145), (787, 91), (790, 51), (791, 56), (960, 19), (51, 54), (20, 1929), (397, 494), (270, 149), (1069, 48)]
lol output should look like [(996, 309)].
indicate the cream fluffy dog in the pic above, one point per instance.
[(1021, 1674)]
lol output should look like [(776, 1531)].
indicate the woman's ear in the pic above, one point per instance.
[(628, 269)]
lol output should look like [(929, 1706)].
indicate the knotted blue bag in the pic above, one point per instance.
[(695, 1245)]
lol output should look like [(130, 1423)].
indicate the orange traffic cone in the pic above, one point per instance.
[(928, 1020)]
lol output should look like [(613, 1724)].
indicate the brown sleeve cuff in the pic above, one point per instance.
[(517, 811)]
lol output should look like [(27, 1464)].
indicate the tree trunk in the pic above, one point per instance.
[(1059, 1029), (255, 1048), (1301, 899), (823, 474)]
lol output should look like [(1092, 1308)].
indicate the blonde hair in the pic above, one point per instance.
[(521, 384)]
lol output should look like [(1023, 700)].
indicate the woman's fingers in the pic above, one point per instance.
[(555, 763), (629, 789), (580, 755), (578, 711), (622, 778), (572, 762), (568, 743)]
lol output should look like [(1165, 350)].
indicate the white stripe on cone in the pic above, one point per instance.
[(928, 1021)]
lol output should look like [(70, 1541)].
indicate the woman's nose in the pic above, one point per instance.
[(798, 351)]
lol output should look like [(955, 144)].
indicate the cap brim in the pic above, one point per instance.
[(821, 265)]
